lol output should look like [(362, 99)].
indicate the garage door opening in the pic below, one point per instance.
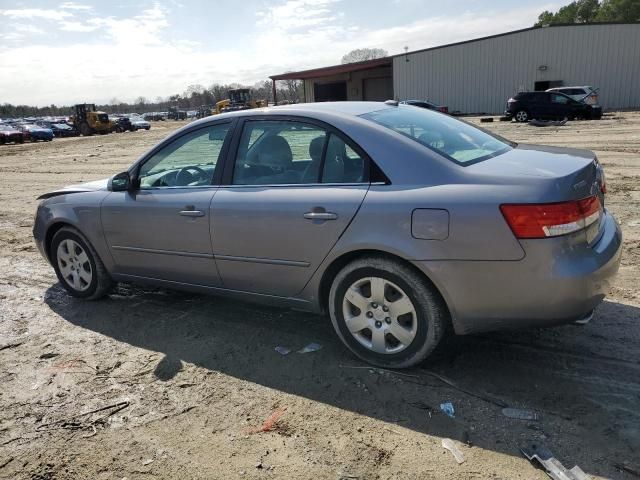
[(330, 92)]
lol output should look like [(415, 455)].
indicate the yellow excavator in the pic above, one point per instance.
[(239, 99), (88, 121)]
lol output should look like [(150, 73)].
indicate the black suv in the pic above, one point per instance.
[(548, 105), (122, 124)]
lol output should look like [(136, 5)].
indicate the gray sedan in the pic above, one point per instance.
[(401, 223)]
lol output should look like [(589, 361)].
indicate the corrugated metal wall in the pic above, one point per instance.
[(480, 76)]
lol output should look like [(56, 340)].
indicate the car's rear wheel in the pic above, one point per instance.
[(522, 116), (77, 265), (386, 313)]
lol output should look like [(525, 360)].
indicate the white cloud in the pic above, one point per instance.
[(21, 31), (32, 13), (75, 6), (296, 14), (134, 56)]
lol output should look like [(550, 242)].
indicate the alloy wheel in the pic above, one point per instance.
[(74, 265)]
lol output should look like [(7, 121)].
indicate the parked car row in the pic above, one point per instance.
[(579, 102), (32, 129), (130, 122), (174, 114), (555, 104)]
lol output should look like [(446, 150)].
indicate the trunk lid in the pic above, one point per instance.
[(547, 175), (560, 174)]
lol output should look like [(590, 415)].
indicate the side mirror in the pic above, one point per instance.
[(120, 182)]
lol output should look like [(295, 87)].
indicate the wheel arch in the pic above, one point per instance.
[(338, 264), (54, 228)]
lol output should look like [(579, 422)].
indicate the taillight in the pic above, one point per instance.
[(551, 219)]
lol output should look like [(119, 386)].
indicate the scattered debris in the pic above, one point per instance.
[(270, 423), (486, 120), (312, 347), (6, 462), (283, 350), (10, 345), (520, 414), (379, 370), (547, 123), (625, 467), (74, 424), (448, 409), (45, 356), (451, 383), (505, 119), (554, 468), (149, 461), (345, 476), (452, 446)]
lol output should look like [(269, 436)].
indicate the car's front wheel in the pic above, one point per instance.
[(77, 265), (386, 313), (522, 116)]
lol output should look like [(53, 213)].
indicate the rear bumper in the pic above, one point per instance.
[(555, 283)]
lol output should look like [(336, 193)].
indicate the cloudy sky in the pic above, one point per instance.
[(67, 52)]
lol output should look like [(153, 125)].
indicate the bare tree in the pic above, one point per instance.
[(362, 54)]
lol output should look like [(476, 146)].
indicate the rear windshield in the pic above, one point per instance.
[(456, 140)]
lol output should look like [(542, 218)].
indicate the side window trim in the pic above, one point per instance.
[(217, 173), (234, 143)]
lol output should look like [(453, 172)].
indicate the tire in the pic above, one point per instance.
[(85, 129), (521, 116), (94, 282), (421, 329)]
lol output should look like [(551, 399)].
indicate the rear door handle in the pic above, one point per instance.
[(320, 216), (192, 213)]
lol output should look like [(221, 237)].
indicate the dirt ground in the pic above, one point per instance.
[(157, 384)]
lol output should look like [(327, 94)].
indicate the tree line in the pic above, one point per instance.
[(193, 97), (591, 11)]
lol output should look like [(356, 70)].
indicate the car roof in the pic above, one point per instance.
[(344, 108), (574, 86)]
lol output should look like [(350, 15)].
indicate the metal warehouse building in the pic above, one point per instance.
[(478, 76)]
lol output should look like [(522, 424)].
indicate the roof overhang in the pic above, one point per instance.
[(334, 69)]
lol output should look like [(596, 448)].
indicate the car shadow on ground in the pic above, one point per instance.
[(582, 380)]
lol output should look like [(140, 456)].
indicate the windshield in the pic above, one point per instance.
[(456, 140)]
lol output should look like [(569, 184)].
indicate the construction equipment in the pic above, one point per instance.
[(239, 99), (174, 113), (205, 111), (87, 120)]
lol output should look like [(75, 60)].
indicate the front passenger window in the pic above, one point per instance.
[(188, 161)]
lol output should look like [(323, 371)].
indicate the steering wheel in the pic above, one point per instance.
[(185, 177)]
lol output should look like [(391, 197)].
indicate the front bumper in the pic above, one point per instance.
[(555, 283)]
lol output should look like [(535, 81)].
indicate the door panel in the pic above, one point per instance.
[(264, 243), (161, 230), (161, 233)]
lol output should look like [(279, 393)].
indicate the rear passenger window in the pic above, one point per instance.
[(290, 153), (341, 164), (559, 99)]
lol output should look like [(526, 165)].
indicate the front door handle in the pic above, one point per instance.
[(321, 216), (192, 213)]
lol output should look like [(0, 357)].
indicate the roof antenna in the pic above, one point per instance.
[(406, 53)]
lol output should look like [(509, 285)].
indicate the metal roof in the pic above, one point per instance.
[(334, 69)]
